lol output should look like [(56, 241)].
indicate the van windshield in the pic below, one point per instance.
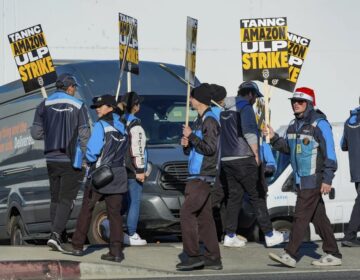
[(162, 118)]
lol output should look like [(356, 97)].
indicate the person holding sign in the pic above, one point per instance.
[(240, 165), (106, 147), (196, 219), (62, 122), (310, 143)]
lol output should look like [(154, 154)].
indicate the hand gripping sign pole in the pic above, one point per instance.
[(123, 62)]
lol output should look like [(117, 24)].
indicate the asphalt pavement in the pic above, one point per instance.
[(158, 261)]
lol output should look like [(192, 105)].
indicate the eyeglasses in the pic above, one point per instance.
[(299, 101)]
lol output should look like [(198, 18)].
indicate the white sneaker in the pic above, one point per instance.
[(233, 241), (327, 260), (243, 238), (134, 240), (284, 259), (276, 238)]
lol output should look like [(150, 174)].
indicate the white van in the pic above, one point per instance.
[(282, 197)]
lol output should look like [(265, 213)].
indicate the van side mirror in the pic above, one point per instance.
[(289, 185)]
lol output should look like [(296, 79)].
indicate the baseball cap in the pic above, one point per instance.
[(250, 86), (105, 99), (66, 80)]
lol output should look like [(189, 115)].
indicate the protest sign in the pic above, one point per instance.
[(32, 57), (190, 60), (298, 48), (126, 23), (264, 48)]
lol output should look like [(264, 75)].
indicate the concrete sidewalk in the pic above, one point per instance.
[(154, 260)]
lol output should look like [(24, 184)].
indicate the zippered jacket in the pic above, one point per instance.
[(310, 143), (350, 142), (107, 145), (136, 157), (203, 146), (62, 121)]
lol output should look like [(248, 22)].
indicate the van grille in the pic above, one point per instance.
[(174, 176)]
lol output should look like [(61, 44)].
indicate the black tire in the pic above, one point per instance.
[(285, 225), (17, 231), (96, 233)]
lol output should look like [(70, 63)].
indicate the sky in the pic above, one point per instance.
[(88, 29)]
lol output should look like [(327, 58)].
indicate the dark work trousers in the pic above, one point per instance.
[(242, 175), (65, 182), (310, 208), (217, 201), (354, 223), (197, 222), (113, 208)]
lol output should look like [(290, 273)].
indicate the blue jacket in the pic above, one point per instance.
[(238, 129), (107, 145), (267, 158), (62, 121), (350, 142), (310, 143), (203, 146)]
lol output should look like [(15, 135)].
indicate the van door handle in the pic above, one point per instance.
[(12, 171)]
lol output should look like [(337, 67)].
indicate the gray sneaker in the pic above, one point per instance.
[(284, 259), (327, 260)]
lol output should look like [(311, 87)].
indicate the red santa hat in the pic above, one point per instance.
[(305, 93)]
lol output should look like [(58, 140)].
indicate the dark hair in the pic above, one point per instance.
[(245, 91)]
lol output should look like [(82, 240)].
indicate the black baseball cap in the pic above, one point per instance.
[(131, 99), (105, 99), (66, 80), (250, 87)]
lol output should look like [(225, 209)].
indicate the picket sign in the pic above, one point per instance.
[(123, 63)]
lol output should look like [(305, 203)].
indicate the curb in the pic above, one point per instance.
[(64, 270), (41, 269)]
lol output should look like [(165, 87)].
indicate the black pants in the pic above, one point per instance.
[(242, 175), (310, 208), (113, 208), (354, 223), (197, 222), (65, 182)]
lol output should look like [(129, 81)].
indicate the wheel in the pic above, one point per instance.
[(286, 226), (99, 225), (17, 231)]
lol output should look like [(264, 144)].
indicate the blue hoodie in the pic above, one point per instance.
[(350, 142)]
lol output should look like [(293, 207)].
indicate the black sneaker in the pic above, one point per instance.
[(111, 258), (69, 249), (190, 263), (212, 264), (55, 242), (350, 243)]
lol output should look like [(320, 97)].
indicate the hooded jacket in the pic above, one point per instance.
[(350, 142), (107, 145), (310, 143), (238, 129)]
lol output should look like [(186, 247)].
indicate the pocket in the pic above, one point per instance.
[(306, 159)]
